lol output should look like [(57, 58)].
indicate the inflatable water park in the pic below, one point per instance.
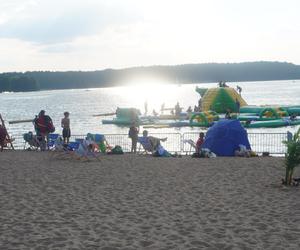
[(216, 104)]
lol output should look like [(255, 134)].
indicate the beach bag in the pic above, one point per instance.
[(117, 150), (49, 124)]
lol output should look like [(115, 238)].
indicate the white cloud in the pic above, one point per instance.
[(91, 34)]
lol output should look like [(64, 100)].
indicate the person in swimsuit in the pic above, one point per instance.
[(65, 124)]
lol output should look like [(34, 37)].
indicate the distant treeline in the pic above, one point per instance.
[(187, 73), (17, 82)]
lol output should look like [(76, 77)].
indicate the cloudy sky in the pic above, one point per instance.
[(98, 34)]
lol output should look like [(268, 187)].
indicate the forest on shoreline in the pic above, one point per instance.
[(186, 73)]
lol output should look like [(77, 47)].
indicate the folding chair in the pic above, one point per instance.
[(31, 140), (54, 140), (78, 150), (191, 143), (7, 140), (146, 144)]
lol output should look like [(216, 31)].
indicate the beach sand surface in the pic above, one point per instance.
[(143, 202)]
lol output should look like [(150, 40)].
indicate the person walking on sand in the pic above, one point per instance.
[(65, 124), (133, 135)]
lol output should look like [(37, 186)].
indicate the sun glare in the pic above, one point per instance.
[(154, 92)]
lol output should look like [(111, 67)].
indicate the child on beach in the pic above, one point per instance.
[(199, 142), (133, 135), (65, 124)]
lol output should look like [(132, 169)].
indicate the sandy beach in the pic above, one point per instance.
[(142, 202)]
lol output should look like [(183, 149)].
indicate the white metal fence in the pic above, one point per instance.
[(260, 142)]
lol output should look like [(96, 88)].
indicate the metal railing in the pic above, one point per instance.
[(176, 142), (260, 142)]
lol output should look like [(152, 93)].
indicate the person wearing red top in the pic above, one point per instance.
[(199, 142)]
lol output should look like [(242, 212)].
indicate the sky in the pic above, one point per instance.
[(60, 35)]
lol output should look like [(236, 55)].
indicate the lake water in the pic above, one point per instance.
[(84, 103)]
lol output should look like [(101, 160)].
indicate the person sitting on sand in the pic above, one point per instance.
[(199, 142), (65, 124), (153, 141)]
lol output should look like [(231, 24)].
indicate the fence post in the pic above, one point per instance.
[(181, 143), (289, 136)]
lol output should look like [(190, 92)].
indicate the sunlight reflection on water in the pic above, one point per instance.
[(83, 103)]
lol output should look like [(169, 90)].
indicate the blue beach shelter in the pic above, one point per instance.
[(225, 136)]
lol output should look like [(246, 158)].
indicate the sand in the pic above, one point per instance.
[(142, 202)]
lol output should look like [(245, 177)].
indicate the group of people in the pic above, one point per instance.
[(133, 134), (176, 110), (43, 126), (222, 84), (155, 143)]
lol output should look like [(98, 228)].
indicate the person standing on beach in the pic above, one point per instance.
[(43, 125), (65, 124), (133, 135)]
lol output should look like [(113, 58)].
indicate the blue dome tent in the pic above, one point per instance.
[(225, 136)]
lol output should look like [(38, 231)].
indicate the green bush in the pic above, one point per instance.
[(292, 157)]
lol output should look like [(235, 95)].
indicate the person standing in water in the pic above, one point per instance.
[(162, 108), (65, 124), (177, 109), (146, 107)]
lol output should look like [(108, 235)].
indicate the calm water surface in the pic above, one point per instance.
[(84, 103)]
